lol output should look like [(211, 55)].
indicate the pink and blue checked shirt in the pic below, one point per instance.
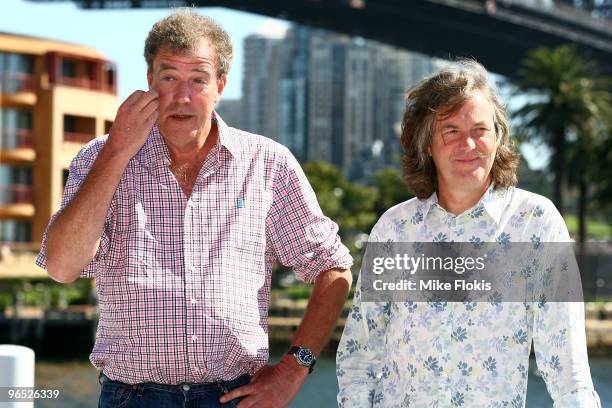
[(184, 282)]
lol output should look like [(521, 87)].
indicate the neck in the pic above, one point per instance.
[(194, 150), (457, 200)]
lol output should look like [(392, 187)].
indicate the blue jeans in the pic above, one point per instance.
[(115, 394)]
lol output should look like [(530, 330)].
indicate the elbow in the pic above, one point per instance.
[(60, 273), (349, 278), (57, 269)]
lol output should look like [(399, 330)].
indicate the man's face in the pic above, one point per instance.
[(464, 144), (188, 90)]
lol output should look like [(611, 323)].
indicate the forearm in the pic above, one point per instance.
[(74, 236), (329, 294)]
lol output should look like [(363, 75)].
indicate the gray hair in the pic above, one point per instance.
[(182, 32)]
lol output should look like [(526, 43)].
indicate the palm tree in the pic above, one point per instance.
[(567, 102)]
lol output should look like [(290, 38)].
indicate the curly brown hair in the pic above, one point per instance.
[(444, 93), (182, 32)]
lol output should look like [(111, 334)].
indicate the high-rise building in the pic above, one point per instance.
[(54, 98), (396, 71), (231, 111), (293, 90), (329, 97), (341, 98), (323, 98), (262, 71)]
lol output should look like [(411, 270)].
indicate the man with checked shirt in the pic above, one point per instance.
[(179, 218)]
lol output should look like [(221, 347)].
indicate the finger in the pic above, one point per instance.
[(237, 393), (150, 108), (133, 97), (152, 103), (151, 119), (145, 99), (248, 402)]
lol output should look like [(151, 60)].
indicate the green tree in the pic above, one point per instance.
[(567, 101), (392, 189), (350, 205)]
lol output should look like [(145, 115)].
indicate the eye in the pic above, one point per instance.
[(482, 131), (167, 78)]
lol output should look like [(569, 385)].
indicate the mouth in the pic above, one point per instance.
[(468, 160), (181, 118)]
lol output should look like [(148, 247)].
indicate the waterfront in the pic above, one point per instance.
[(77, 381)]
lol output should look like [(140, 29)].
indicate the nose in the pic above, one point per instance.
[(467, 142), (182, 93)]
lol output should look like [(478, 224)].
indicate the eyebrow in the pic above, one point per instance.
[(453, 126), (165, 67)]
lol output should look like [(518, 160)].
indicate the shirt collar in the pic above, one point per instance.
[(227, 138), (493, 201), (155, 151)]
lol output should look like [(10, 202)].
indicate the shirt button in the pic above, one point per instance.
[(194, 337), (193, 301), (185, 387)]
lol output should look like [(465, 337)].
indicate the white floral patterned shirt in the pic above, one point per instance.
[(452, 354)]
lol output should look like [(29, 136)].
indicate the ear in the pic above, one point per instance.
[(221, 86), (149, 79)]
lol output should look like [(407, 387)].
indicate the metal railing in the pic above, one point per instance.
[(17, 82), (15, 194), (12, 138)]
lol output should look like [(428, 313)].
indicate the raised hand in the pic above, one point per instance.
[(133, 123)]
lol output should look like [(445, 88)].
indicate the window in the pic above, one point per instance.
[(15, 128), (79, 129), (15, 231), (108, 124), (15, 175), (68, 68), (15, 184), (16, 72)]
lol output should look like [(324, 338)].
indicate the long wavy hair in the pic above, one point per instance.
[(444, 93)]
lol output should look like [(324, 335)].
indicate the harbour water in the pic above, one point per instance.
[(79, 387)]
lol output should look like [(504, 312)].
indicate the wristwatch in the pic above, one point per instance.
[(303, 356)]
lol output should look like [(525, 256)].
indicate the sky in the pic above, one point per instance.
[(120, 34)]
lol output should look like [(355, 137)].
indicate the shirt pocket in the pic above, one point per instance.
[(251, 214)]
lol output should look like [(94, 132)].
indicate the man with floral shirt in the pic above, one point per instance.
[(461, 165)]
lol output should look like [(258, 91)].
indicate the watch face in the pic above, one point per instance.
[(305, 356)]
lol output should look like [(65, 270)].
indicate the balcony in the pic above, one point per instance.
[(16, 139), (79, 129), (16, 194), (81, 72), (78, 137), (13, 82)]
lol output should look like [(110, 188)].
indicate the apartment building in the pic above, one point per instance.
[(54, 98)]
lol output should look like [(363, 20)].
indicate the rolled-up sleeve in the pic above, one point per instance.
[(79, 168), (302, 237)]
